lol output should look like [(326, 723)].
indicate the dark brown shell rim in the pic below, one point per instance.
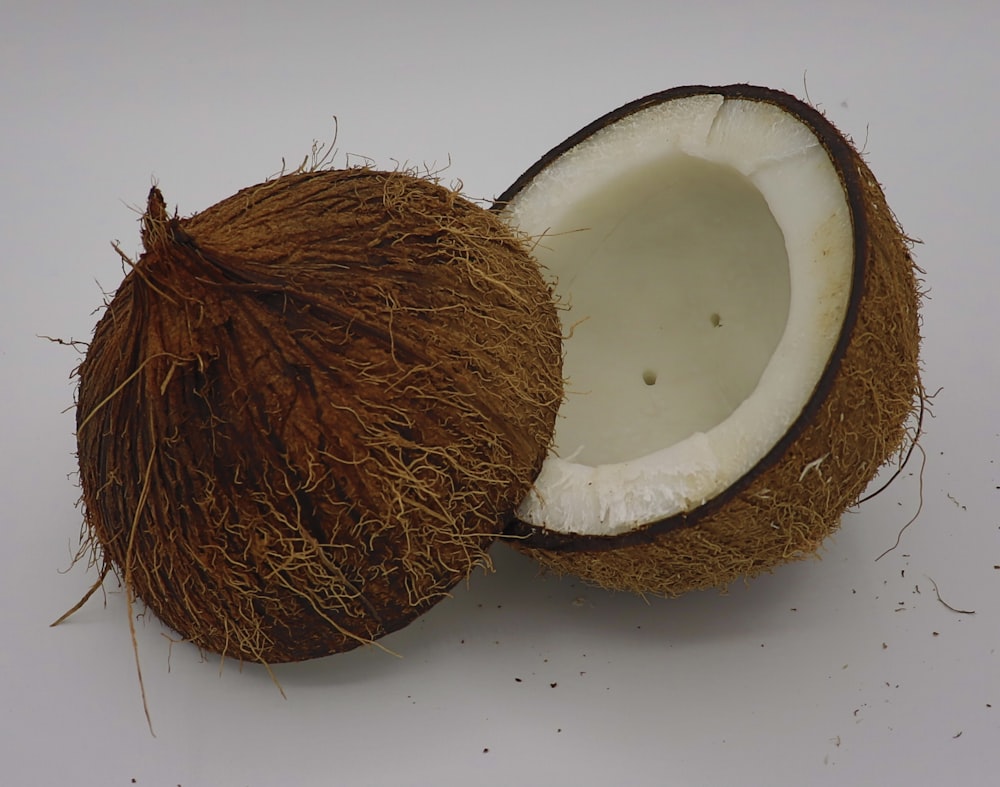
[(843, 157)]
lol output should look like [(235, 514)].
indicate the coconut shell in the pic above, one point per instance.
[(309, 410), (860, 416)]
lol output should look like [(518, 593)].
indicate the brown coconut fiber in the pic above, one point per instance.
[(309, 410)]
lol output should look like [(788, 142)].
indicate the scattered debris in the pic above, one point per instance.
[(949, 606), (955, 501)]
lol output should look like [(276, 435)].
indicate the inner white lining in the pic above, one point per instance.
[(705, 248)]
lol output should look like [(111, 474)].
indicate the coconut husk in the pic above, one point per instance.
[(309, 410)]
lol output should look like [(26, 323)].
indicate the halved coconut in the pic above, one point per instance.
[(743, 338)]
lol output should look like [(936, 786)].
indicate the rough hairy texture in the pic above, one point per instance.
[(862, 415), (309, 410)]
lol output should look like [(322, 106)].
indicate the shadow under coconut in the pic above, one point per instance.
[(518, 605), (451, 622), (695, 617)]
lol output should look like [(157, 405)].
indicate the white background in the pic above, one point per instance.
[(838, 671)]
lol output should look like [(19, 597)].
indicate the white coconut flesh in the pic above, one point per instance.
[(704, 249)]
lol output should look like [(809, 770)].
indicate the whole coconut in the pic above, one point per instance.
[(308, 411)]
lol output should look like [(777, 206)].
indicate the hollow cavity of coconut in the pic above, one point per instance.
[(743, 312), (310, 409)]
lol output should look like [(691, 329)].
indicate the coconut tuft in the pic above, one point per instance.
[(310, 409), (864, 414)]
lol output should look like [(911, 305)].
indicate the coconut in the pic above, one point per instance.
[(743, 357), (309, 410)]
